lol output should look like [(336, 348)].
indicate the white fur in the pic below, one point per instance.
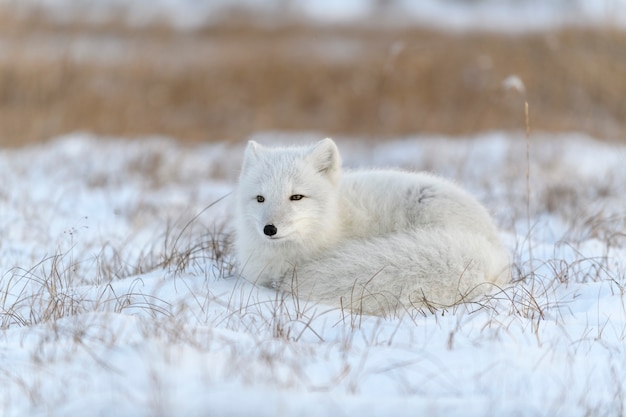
[(370, 241)]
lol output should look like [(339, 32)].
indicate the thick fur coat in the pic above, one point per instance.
[(370, 241)]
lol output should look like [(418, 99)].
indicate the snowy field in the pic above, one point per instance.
[(118, 295)]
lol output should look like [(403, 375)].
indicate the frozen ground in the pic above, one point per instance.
[(118, 297), (501, 15)]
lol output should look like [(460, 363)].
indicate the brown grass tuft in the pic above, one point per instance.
[(227, 81)]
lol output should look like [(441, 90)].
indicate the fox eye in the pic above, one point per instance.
[(260, 198), (296, 197)]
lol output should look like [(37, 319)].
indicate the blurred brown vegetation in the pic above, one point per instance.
[(232, 79)]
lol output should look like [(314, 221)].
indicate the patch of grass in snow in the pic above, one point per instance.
[(39, 294), (48, 291), (51, 289)]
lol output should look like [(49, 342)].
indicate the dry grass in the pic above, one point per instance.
[(225, 82)]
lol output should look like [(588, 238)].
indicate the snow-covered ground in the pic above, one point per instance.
[(118, 296), (501, 15)]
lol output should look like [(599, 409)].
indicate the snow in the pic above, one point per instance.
[(116, 298), (498, 15)]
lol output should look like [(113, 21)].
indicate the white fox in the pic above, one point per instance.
[(374, 242)]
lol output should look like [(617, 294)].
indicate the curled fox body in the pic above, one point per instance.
[(373, 241)]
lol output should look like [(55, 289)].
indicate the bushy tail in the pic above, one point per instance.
[(417, 269)]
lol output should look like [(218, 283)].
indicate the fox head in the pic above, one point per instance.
[(289, 195)]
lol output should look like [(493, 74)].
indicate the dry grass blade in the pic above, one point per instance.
[(215, 243)]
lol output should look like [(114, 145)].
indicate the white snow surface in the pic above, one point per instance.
[(498, 15), (113, 301)]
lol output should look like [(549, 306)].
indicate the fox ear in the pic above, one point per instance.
[(251, 155), (325, 157)]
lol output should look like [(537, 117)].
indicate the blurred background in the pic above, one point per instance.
[(209, 70)]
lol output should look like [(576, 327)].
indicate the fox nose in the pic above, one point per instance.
[(270, 230)]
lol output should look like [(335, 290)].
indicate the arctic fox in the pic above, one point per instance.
[(374, 242)]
